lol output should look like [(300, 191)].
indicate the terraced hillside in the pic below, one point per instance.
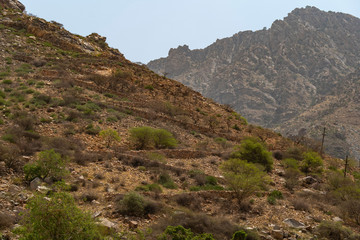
[(85, 128)]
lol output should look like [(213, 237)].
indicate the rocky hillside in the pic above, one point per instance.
[(298, 75), (93, 146)]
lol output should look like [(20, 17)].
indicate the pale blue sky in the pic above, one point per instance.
[(144, 30)]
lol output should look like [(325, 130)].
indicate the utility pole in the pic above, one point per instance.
[(346, 165), (322, 143)]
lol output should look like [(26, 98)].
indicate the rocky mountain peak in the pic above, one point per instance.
[(299, 68)]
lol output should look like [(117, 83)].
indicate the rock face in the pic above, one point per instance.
[(14, 4), (301, 74)]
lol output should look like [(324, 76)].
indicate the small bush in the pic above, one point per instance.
[(253, 151), (149, 188), (312, 162), (290, 163), (132, 204), (179, 232), (110, 136), (165, 180), (147, 137), (56, 217), (301, 204), (163, 139), (92, 130)]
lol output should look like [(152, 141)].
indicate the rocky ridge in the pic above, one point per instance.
[(300, 74)]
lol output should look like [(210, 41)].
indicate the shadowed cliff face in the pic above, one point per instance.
[(300, 73)]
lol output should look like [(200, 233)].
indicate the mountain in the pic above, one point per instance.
[(300, 74), (93, 146)]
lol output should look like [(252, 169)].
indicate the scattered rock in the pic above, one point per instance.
[(337, 219), (133, 224), (43, 189), (294, 223), (277, 234), (106, 225), (309, 180)]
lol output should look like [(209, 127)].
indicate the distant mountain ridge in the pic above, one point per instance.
[(302, 73)]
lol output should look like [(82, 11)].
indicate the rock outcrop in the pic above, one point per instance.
[(301, 74)]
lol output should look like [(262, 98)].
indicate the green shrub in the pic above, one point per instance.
[(132, 204), (147, 137), (244, 178), (165, 180), (290, 163), (252, 151), (48, 164), (7, 81), (312, 162), (181, 233), (110, 136), (149, 87), (276, 194), (92, 130), (163, 139), (239, 235), (149, 188), (56, 217), (9, 138), (211, 180)]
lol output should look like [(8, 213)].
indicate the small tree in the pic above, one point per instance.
[(253, 151), (312, 162), (110, 136), (147, 137), (141, 137), (49, 164), (244, 178), (56, 217)]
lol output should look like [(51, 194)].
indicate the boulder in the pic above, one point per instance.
[(309, 180), (294, 223)]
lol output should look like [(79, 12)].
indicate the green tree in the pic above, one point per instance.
[(110, 136), (253, 151), (312, 162), (243, 177), (141, 137), (147, 137), (56, 217), (48, 164)]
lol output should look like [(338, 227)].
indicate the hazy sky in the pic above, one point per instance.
[(144, 30)]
